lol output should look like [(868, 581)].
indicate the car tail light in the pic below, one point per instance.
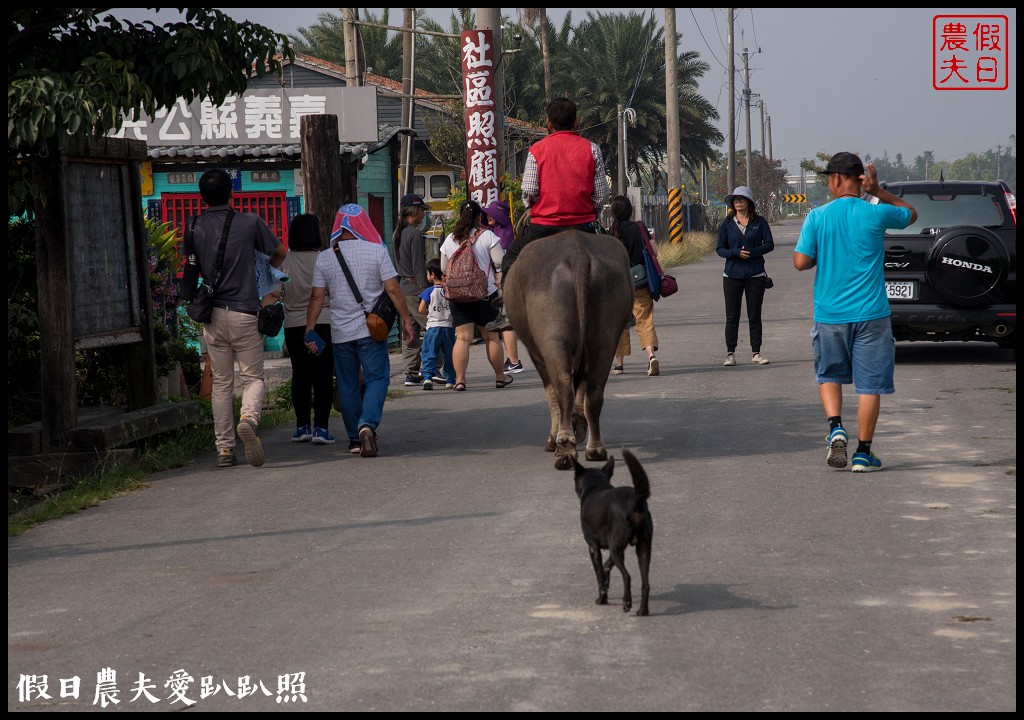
[(1011, 200)]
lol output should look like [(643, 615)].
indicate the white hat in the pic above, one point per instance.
[(741, 191)]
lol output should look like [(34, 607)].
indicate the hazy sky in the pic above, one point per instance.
[(831, 79)]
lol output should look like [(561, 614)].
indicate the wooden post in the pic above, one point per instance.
[(140, 358), (56, 337), (321, 169)]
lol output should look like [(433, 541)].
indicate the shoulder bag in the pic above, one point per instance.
[(639, 273), (271, 319), (381, 317), (200, 307), (660, 284)]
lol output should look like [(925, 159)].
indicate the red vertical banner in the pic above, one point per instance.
[(479, 60)]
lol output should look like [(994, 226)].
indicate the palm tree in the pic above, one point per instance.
[(380, 50), (619, 59), (531, 18), (439, 59)]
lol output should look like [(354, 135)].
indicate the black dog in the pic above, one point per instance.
[(612, 518)]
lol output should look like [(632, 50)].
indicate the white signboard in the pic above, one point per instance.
[(259, 117)]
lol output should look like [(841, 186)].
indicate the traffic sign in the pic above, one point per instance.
[(801, 198)]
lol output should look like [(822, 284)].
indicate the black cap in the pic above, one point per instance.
[(844, 163), (413, 200)]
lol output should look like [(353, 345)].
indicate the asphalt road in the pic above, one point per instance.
[(450, 573)]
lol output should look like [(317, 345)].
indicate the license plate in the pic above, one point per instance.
[(901, 289)]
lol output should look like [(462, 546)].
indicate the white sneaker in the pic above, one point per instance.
[(759, 360), (730, 360)]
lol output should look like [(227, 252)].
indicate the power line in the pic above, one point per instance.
[(706, 40)]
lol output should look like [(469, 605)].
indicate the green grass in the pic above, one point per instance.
[(118, 476)]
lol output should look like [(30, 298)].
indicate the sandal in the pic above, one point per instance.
[(500, 384), (460, 386)]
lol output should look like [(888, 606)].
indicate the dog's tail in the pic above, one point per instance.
[(641, 484)]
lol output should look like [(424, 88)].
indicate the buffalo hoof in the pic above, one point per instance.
[(563, 462), (550, 446), (597, 454), (579, 428)]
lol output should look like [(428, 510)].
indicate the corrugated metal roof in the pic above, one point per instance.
[(279, 151)]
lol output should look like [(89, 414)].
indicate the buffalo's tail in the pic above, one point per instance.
[(581, 278)]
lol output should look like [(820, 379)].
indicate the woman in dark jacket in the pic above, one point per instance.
[(628, 232), (744, 238)]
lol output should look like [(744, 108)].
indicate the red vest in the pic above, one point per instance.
[(565, 175)]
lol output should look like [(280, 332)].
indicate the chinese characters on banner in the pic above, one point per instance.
[(482, 121), (970, 52)]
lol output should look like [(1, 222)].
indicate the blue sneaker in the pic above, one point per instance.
[(322, 437), (837, 442), (865, 462), (302, 433)]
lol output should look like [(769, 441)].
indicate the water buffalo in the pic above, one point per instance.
[(569, 297)]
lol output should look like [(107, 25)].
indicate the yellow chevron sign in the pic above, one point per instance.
[(801, 198)]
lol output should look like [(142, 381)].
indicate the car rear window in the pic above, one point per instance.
[(945, 209)]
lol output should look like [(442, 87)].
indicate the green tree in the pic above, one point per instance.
[(70, 70), (768, 182), (619, 59), (380, 49), (439, 59)]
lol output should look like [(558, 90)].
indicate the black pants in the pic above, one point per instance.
[(312, 376), (531, 233), (735, 290)]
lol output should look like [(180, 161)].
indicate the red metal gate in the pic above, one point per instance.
[(178, 208)]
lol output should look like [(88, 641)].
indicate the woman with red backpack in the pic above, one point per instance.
[(469, 256)]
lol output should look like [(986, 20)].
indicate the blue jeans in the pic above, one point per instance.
[(863, 353), (357, 408), (438, 342)]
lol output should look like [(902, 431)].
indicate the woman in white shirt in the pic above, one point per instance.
[(470, 314)]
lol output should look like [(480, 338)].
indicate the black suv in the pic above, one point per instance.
[(952, 275)]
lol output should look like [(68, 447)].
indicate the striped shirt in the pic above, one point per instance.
[(531, 181), (370, 266)]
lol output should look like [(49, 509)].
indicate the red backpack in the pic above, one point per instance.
[(464, 281)]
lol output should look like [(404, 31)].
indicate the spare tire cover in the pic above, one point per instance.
[(966, 264)]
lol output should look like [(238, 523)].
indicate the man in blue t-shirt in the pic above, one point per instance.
[(852, 336)]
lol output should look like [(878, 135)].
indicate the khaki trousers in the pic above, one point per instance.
[(229, 336)]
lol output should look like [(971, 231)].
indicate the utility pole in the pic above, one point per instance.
[(769, 121), (760, 105), (490, 19), (746, 104), (352, 77), (408, 90), (999, 154), (675, 192), (620, 170), (732, 108)]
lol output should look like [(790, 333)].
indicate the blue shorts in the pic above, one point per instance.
[(862, 353)]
